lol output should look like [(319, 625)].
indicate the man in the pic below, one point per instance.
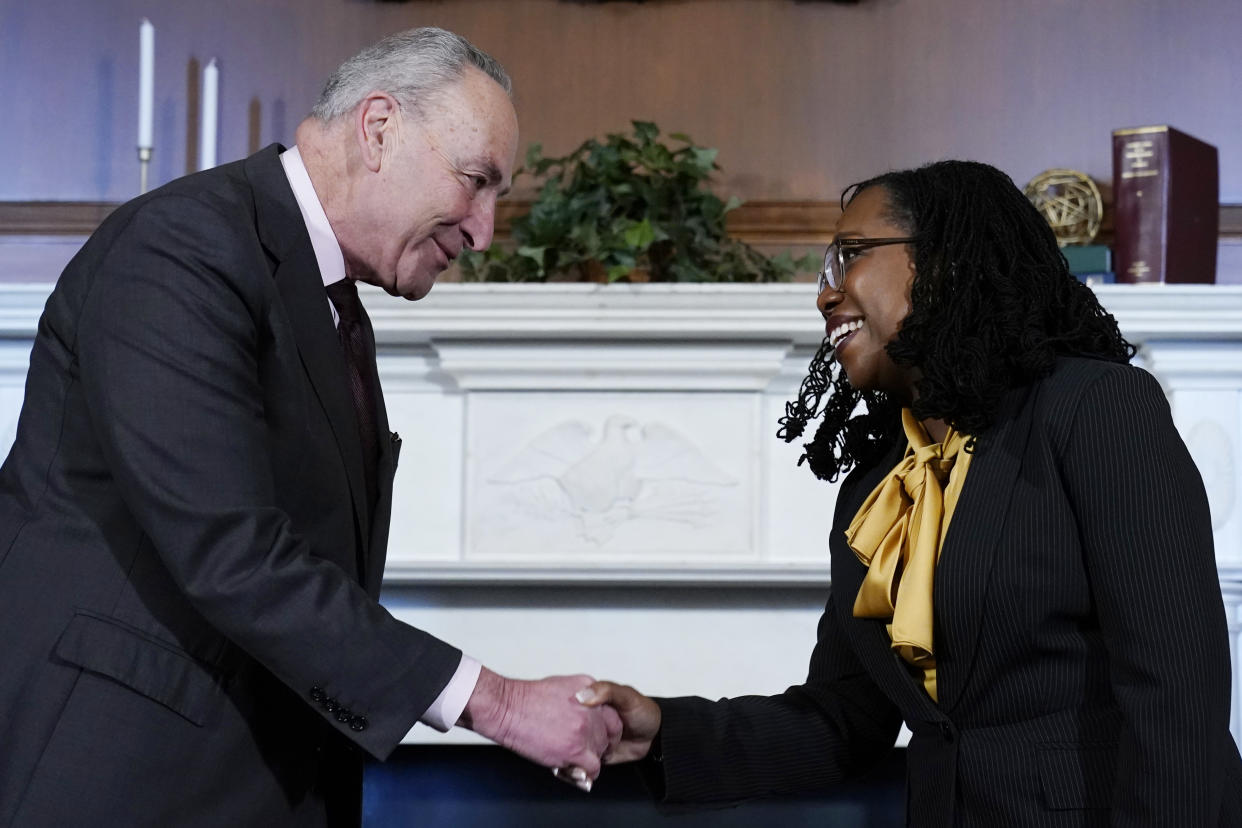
[(194, 515)]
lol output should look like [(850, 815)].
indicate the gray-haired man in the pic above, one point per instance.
[(194, 515)]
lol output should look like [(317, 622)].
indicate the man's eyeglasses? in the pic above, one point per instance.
[(837, 259)]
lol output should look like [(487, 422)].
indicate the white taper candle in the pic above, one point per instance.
[(146, 82), (207, 146)]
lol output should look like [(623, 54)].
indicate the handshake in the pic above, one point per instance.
[(571, 724)]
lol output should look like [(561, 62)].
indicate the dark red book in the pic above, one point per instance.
[(1166, 191)]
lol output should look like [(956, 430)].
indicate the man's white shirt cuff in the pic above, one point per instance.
[(448, 706)]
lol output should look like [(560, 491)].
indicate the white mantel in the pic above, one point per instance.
[(590, 478)]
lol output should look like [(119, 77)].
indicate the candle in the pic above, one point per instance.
[(146, 82), (207, 146)]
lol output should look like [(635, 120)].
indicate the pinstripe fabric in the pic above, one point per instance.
[(1080, 636)]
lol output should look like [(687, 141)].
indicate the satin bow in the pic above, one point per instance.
[(898, 533)]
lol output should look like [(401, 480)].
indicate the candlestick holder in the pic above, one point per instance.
[(144, 161)]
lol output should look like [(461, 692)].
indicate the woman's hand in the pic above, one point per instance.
[(640, 718)]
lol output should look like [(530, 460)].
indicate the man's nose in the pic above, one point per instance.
[(479, 225)]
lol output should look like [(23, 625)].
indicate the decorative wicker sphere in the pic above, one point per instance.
[(1070, 202)]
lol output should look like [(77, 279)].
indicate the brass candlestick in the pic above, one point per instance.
[(144, 161)]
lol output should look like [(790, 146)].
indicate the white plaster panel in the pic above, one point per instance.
[(14, 363), (579, 477), (10, 408), (427, 495), (797, 507), (730, 649), (1231, 588), (1208, 421)]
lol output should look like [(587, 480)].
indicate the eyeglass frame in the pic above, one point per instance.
[(835, 253)]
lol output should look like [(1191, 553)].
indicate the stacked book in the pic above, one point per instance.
[(1091, 263)]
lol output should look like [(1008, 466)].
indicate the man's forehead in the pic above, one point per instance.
[(474, 106), (476, 126)]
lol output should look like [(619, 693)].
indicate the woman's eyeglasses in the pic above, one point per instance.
[(835, 259)]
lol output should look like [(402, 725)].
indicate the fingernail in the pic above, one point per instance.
[(580, 775), (556, 772), (585, 785), (585, 695)]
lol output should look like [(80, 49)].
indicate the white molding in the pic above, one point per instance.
[(1159, 312), (1195, 363), (732, 313), (21, 305), (769, 575), (636, 366), (614, 574), (723, 312)]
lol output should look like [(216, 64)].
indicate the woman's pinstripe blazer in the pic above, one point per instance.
[(1082, 650)]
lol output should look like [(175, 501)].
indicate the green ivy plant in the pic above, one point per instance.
[(628, 208)]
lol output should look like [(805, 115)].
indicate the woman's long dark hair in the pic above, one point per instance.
[(993, 305)]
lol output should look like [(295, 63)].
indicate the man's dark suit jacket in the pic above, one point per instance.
[(1082, 648), (189, 630)]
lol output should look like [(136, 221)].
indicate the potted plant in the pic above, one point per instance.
[(630, 207)]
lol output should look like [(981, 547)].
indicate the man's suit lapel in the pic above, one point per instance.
[(386, 468), (284, 235), (969, 550)]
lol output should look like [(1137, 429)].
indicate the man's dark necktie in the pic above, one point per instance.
[(359, 365)]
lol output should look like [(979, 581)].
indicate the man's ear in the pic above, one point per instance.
[(376, 127)]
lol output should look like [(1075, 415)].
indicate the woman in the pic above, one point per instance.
[(1022, 561)]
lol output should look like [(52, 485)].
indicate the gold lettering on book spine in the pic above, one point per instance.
[(1135, 158)]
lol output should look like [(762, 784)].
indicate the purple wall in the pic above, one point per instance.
[(1023, 84)]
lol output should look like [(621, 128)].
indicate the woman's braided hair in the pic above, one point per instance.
[(993, 305)]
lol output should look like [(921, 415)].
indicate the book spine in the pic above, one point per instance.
[(1140, 189), (1193, 198)]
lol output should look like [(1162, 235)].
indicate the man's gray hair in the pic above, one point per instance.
[(413, 66)]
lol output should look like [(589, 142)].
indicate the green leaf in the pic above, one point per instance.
[(640, 235), (622, 258), (705, 157), (587, 237), (656, 158), (809, 263), (645, 130), (533, 253), (618, 272)]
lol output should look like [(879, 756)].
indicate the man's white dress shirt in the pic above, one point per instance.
[(447, 708)]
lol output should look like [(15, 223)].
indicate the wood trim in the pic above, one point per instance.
[(758, 222), (53, 218)]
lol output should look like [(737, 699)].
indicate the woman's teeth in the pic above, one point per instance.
[(842, 331)]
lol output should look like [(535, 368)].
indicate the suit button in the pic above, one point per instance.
[(332, 705), (946, 731), (344, 715), (317, 694), (358, 723)]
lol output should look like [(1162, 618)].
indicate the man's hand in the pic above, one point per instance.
[(543, 721), (640, 718)]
